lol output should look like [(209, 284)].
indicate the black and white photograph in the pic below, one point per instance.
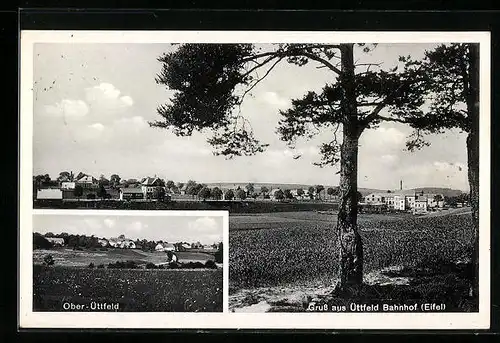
[(127, 263), (355, 168)]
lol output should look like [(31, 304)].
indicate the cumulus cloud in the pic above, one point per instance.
[(107, 95), (109, 222), (68, 108), (203, 224), (97, 126), (392, 135), (127, 100), (274, 99)]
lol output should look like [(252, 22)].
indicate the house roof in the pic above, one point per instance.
[(149, 181), (131, 190), (55, 239), (82, 175)]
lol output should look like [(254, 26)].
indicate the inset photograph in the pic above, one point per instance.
[(127, 263)]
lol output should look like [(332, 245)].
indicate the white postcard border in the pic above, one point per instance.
[(226, 320)]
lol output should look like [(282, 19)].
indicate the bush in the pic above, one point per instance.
[(150, 265), (40, 242), (48, 260), (174, 265), (91, 265), (193, 265), (101, 266), (123, 265), (210, 264)]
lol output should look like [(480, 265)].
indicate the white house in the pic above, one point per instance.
[(399, 202), (131, 193), (103, 242), (49, 193), (162, 246), (435, 200), (410, 201), (68, 185), (86, 181), (127, 244), (380, 198), (420, 204), (149, 184), (56, 241)]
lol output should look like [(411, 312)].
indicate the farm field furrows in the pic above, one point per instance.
[(283, 219), (134, 290), (291, 252)]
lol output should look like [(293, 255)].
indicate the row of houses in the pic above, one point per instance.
[(147, 188), (406, 200), (126, 243)]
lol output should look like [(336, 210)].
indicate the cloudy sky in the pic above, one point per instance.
[(92, 103), (207, 230)]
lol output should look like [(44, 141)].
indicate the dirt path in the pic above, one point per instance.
[(295, 298)]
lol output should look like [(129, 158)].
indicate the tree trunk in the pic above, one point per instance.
[(349, 241), (473, 155)]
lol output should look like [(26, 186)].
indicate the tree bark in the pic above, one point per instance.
[(473, 155), (349, 240)]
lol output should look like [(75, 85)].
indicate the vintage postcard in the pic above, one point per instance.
[(353, 166), (130, 263)]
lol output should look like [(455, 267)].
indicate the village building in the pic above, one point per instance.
[(131, 194), (123, 243), (399, 202), (164, 246), (127, 244), (149, 185), (406, 200), (103, 242), (182, 246), (86, 181), (49, 194), (70, 185), (197, 245), (420, 204), (56, 241)]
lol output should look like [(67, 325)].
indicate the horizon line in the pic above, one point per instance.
[(283, 183)]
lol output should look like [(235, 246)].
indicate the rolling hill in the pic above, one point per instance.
[(364, 191)]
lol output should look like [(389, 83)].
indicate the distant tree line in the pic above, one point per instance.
[(79, 242)]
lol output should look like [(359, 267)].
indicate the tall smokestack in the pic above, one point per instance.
[(401, 185)]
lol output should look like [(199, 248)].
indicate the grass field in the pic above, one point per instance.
[(236, 206), (135, 290), (77, 258), (290, 249)]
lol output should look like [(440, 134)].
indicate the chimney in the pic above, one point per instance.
[(401, 185)]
